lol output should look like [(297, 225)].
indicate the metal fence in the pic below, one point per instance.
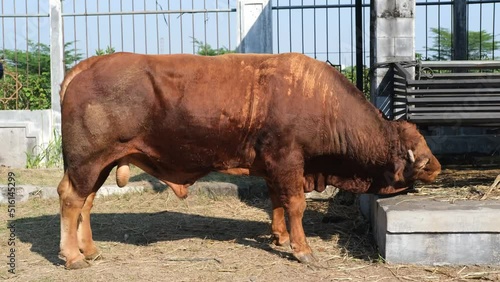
[(434, 25), (323, 29), (148, 26)]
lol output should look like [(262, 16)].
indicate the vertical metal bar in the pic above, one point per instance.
[(169, 33), (109, 26), (459, 40), (229, 24), (278, 26), (439, 31), (157, 33), (302, 22), (205, 19), (86, 32), (340, 36), (27, 40), (359, 45), (192, 28), (133, 27), (480, 31), (15, 40), (182, 35), (98, 28), (3, 48), (145, 31), (74, 29), (290, 24), (121, 23), (468, 14), (38, 39), (352, 32), (327, 24), (314, 31), (493, 34), (426, 30), (3, 27), (217, 22)]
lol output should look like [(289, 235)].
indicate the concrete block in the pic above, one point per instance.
[(395, 28), (15, 145), (20, 132), (385, 48), (108, 190), (404, 47), (419, 230), (22, 193), (395, 8)]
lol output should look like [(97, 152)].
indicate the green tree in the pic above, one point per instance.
[(30, 75), (207, 50), (108, 50), (350, 73), (480, 45)]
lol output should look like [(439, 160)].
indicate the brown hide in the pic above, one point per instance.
[(179, 117), (291, 119)]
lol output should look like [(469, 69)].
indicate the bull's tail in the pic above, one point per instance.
[(82, 66)]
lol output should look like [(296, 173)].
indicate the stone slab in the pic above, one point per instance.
[(419, 230)]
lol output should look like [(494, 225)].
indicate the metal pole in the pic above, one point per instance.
[(459, 30), (359, 45)]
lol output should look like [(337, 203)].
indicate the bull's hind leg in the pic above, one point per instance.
[(71, 207), (85, 242)]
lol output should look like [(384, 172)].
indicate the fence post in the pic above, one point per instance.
[(56, 60), (460, 45), (254, 26), (392, 32)]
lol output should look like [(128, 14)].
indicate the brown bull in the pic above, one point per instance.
[(291, 119)]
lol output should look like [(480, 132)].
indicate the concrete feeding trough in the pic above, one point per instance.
[(419, 230)]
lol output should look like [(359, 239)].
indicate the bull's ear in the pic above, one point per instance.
[(422, 163), (411, 156), (399, 168)]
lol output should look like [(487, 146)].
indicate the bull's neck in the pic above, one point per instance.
[(368, 139)]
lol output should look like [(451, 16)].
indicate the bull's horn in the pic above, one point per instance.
[(411, 156)]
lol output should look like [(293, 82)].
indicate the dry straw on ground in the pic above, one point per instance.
[(153, 236)]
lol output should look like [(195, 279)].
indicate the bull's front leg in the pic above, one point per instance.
[(295, 207), (278, 223), (285, 176)]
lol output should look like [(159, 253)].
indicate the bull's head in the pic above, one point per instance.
[(414, 161)]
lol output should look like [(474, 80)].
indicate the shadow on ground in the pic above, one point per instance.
[(146, 228), (246, 187)]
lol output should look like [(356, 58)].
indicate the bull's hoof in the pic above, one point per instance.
[(97, 255), (77, 264), (281, 240), (306, 258)]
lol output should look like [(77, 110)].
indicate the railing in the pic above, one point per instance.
[(448, 93)]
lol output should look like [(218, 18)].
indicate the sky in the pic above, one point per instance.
[(320, 33)]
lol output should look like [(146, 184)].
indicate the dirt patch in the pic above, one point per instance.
[(153, 236)]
